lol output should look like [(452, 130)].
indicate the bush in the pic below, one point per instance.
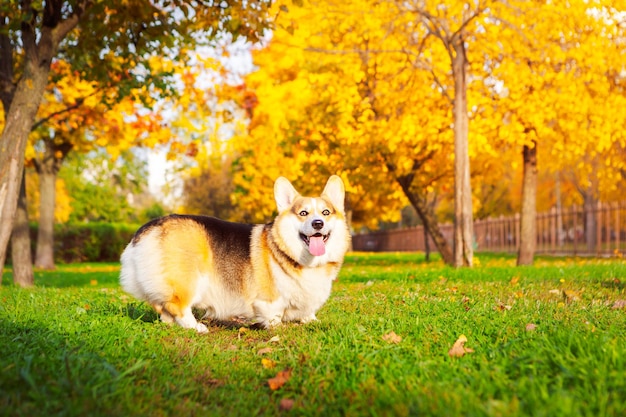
[(91, 242), (87, 242)]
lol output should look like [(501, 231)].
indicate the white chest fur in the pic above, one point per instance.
[(299, 297)]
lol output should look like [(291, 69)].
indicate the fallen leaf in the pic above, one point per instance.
[(242, 330), (286, 404), (280, 379), (268, 363), (459, 349), (530, 327), (264, 351), (274, 339), (501, 307), (555, 292), (619, 304), (570, 295), (392, 337), (514, 280)]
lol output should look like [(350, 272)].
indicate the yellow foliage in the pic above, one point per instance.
[(63, 201)]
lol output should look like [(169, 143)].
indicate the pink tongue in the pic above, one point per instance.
[(317, 246)]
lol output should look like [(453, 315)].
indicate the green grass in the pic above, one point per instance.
[(76, 345)]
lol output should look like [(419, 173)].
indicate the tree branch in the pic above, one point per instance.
[(67, 109), (60, 31)]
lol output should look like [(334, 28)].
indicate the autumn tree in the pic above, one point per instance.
[(537, 78), (74, 117), (88, 34), (452, 24), (378, 98), (311, 117)]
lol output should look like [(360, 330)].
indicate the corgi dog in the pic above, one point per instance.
[(270, 273)]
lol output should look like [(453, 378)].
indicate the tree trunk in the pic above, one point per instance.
[(39, 47), (426, 214), (20, 243), (463, 216), (591, 216), (18, 122), (431, 225), (528, 226), (426, 244), (559, 210), (47, 168)]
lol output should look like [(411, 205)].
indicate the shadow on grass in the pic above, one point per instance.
[(614, 284), (48, 373), (141, 311), (145, 313)]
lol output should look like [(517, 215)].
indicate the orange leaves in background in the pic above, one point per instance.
[(75, 112), (334, 94)]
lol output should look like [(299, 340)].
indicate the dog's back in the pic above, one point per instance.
[(172, 260)]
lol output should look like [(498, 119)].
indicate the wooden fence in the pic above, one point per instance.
[(599, 231)]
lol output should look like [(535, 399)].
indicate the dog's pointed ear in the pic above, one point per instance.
[(336, 192), (284, 194)]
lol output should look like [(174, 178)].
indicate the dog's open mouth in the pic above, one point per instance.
[(316, 243)]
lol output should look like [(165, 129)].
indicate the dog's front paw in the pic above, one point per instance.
[(273, 322), (308, 319), (201, 328)]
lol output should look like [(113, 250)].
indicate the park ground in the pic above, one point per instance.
[(546, 340)]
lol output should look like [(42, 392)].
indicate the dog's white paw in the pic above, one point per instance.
[(166, 317), (274, 321), (201, 328), (308, 319)]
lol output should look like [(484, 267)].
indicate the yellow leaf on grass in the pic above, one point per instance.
[(459, 349), (392, 337), (268, 363)]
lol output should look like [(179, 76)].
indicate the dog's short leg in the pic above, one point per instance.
[(165, 316), (308, 319), (188, 321), (183, 317), (209, 313), (270, 314)]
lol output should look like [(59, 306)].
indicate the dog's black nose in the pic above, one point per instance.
[(317, 224)]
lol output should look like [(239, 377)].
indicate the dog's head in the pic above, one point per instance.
[(312, 225)]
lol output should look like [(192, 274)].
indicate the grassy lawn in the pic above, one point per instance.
[(547, 340)]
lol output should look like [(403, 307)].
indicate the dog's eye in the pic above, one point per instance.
[(304, 213), (326, 212)]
